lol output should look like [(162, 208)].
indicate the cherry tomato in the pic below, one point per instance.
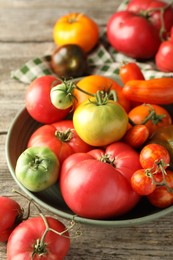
[(10, 216), (136, 135), (76, 28), (162, 196), (130, 71), (142, 182), (164, 57), (69, 61), (152, 154)]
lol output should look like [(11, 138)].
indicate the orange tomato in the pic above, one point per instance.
[(93, 83), (160, 116), (76, 28)]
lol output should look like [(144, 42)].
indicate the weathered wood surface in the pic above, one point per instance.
[(26, 32)]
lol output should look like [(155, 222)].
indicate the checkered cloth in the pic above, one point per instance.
[(103, 60)]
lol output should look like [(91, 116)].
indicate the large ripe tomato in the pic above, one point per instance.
[(60, 137), (27, 242), (124, 34), (100, 124), (76, 28), (162, 196), (164, 57), (38, 102), (87, 179), (159, 13), (93, 83), (37, 168), (10, 216), (159, 117)]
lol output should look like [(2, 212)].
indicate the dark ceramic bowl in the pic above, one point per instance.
[(18, 135)]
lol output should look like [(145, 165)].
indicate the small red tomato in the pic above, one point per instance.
[(142, 182), (162, 196), (164, 57), (152, 155), (130, 71), (136, 136)]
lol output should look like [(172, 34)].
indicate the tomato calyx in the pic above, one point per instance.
[(64, 136), (105, 158), (74, 18), (102, 97)]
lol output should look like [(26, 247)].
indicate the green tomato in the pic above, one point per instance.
[(62, 96), (100, 124), (37, 168)]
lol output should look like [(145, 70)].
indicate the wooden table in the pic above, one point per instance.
[(26, 32)]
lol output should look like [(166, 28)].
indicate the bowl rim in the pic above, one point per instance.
[(65, 215)]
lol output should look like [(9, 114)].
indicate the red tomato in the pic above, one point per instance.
[(130, 71), (142, 183), (25, 241), (38, 102), (124, 34), (136, 135), (60, 137), (152, 154), (159, 13), (10, 215), (162, 197), (87, 180), (164, 57)]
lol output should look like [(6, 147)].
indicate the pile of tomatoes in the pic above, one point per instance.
[(143, 31), (94, 141)]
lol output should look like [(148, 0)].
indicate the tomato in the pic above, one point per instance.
[(10, 216), (153, 91), (164, 136), (87, 179), (38, 102), (100, 124), (162, 196), (69, 61), (60, 137), (159, 13), (136, 135), (130, 71), (93, 83), (124, 34), (152, 155), (27, 241), (164, 57), (142, 182), (153, 116), (76, 28), (37, 168)]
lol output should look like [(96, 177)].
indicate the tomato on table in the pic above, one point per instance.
[(76, 28), (11, 214), (28, 240)]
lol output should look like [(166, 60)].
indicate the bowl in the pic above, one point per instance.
[(18, 135)]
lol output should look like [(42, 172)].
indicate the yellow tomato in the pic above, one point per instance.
[(76, 28)]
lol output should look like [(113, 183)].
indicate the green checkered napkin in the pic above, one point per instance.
[(103, 60)]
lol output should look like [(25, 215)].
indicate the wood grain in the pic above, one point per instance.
[(26, 32)]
